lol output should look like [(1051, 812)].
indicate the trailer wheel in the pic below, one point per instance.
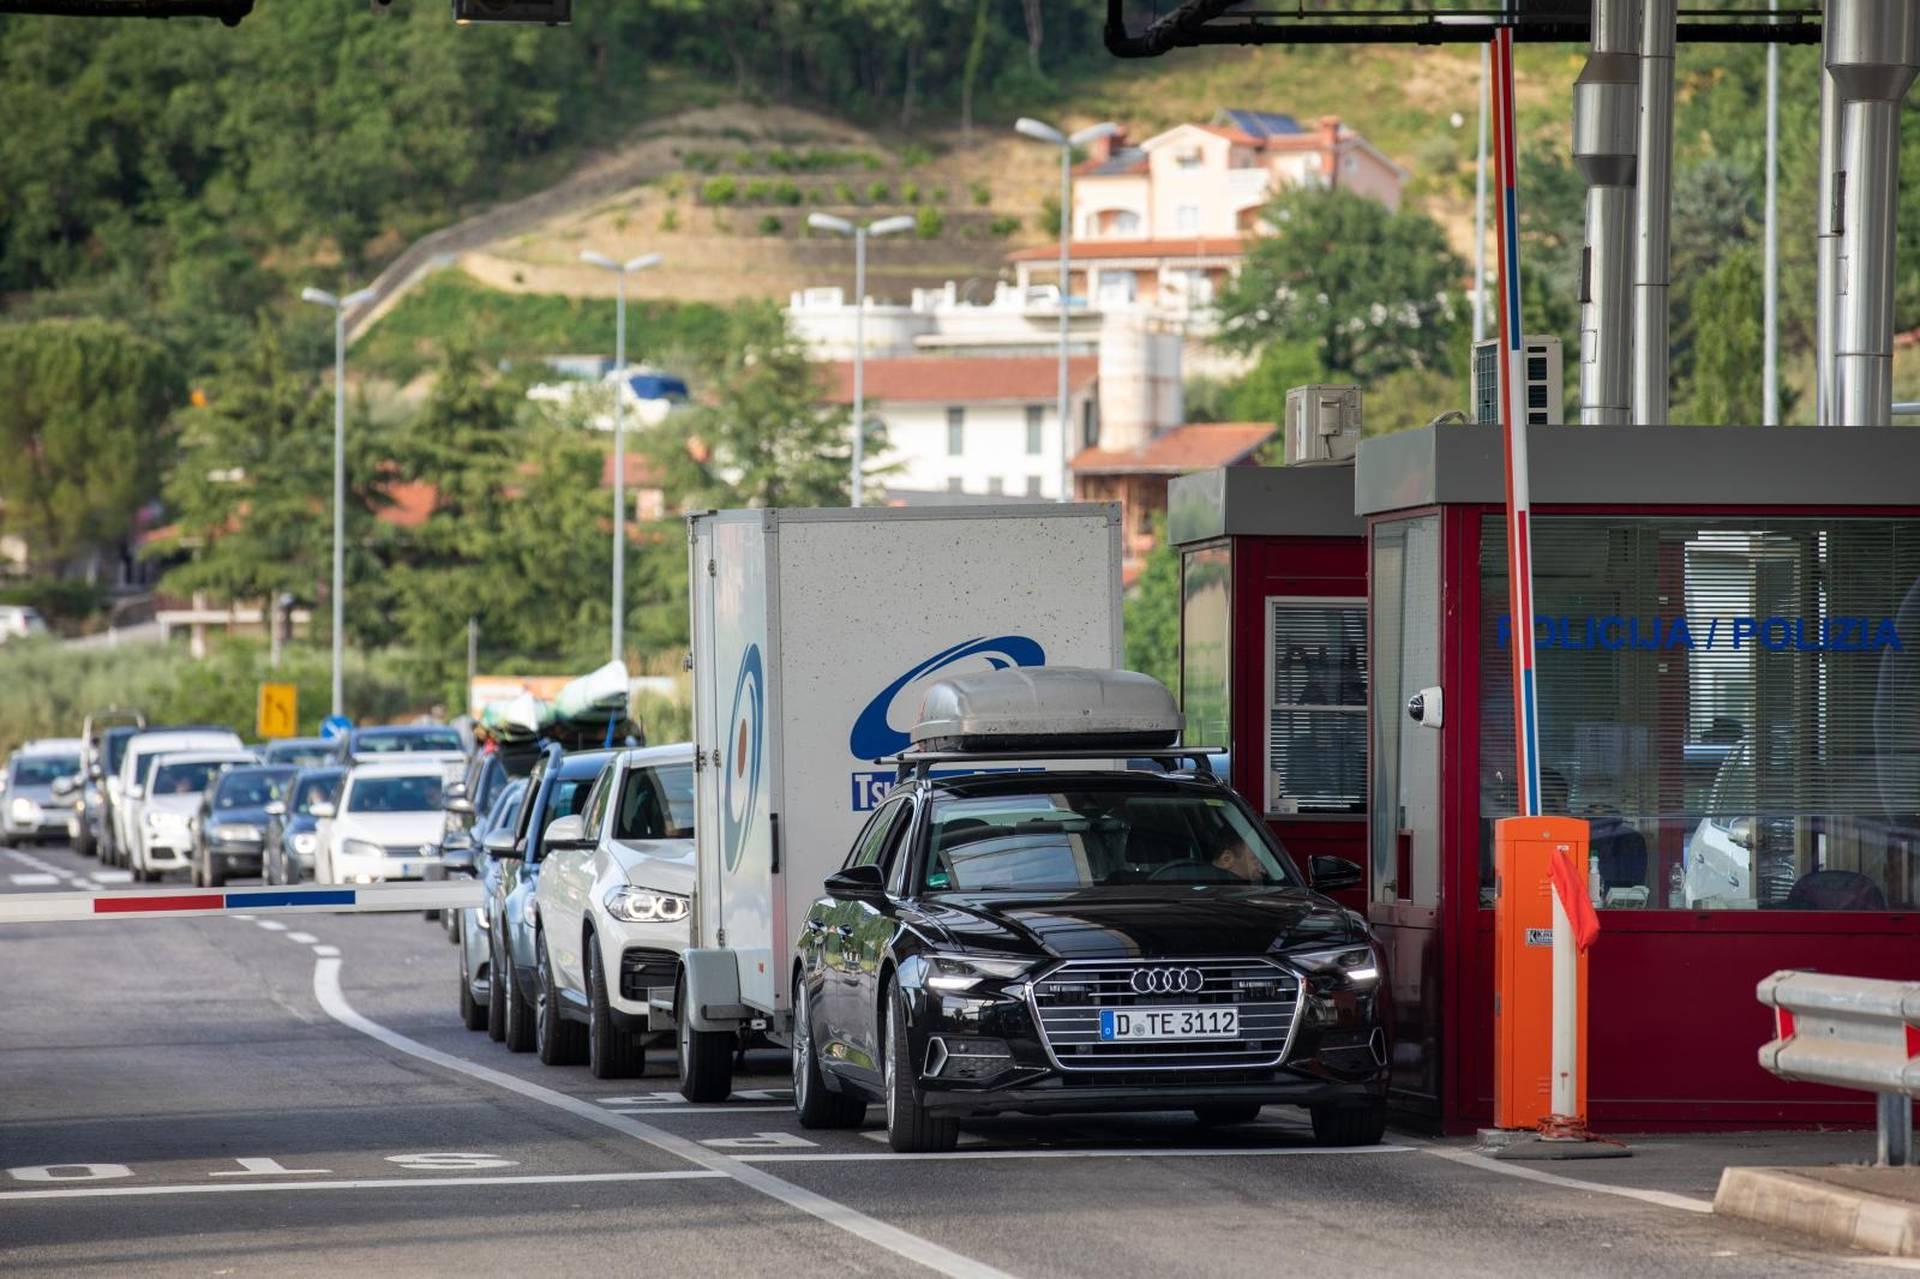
[(706, 1056)]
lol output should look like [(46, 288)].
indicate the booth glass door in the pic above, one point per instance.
[(1404, 812)]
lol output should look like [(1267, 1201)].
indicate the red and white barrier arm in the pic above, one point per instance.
[(304, 899)]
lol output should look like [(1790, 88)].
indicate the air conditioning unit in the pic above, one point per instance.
[(1323, 423), (1545, 390)]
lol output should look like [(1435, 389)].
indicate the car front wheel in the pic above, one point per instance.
[(910, 1129), (560, 1042), (815, 1105), (612, 1053), (473, 1013)]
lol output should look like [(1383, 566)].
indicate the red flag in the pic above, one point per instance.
[(1572, 887)]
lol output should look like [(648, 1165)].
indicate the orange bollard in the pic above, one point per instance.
[(1523, 851)]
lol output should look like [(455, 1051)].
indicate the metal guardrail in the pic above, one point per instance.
[(1850, 1032)]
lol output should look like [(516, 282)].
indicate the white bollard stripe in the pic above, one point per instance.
[(42, 908)]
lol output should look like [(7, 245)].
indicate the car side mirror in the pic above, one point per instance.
[(857, 881), (65, 786), (458, 857), (500, 843), (460, 804), (566, 832), (1328, 874), (1741, 832), (455, 790), (322, 810), (276, 809)]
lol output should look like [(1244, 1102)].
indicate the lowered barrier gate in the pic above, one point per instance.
[(1850, 1032), (304, 899)]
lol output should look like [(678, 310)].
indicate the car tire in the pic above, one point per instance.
[(816, 1106), (612, 1053), (559, 1042), (496, 998), (216, 874), (910, 1129), (1222, 1113), (706, 1057), (473, 1013), (1349, 1125), (519, 1009)]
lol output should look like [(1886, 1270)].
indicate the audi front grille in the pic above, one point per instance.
[(1068, 1001)]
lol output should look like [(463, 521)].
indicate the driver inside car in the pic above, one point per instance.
[(1239, 860)]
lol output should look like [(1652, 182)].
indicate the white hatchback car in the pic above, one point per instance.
[(614, 900), (387, 824)]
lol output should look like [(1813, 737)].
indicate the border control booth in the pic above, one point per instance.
[(1727, 634), (1273, 644)]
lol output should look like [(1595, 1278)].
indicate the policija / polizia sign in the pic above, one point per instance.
[(1725, 634)]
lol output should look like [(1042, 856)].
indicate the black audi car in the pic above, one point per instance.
[(1050, 942), (229, 830)]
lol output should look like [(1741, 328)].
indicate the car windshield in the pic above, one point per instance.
[(299, 756), (249, 789), (656, 803), (411, 740), (1096, 837), (418, 793), (43, 770), (568, 796), (185, 778), (316, 788)]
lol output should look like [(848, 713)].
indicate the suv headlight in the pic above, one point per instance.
[(360, 848), (235, 830), (1356, 964), (964, 973), (25, 811), (645, 906)]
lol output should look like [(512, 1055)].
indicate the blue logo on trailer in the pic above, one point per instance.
[(335, 726), (875, 737), (740, 770)]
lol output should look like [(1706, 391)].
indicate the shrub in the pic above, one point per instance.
[(929, 223), (700, 161), (982, 194), (939, 195), (1003, 226), (669, 221), (786, 192), (913, 155), (757, 191), (743, 160), (769, 225), (879, 192), (910, 192), (843, 194), (721, 190)]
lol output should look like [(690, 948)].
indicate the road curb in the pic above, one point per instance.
[(1804, 1200)]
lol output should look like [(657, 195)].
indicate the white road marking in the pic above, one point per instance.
[(1251, 1152), (302, 939), (85, 885), (112, 876), (690, 1110), (248, 919), (435, 1162), (271, 925), (327, 952), (369, 1183), (34, 878), (87, 1172), (264, 1167), (760, 1141), (1659, 1198), (902, 1243)]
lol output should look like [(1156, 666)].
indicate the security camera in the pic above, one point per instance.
[(1424, 707)]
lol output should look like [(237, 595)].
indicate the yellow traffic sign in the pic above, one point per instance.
[(279, 711)]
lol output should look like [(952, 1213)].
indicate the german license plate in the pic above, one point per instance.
[(1137, 1025)]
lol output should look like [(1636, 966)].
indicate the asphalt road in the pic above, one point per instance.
[(296, 1095)]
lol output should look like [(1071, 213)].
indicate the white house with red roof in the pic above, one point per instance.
[(1163, 223)]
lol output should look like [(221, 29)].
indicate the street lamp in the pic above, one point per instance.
[(621, 270), (1031, 128), (340, 305), (859, 232)]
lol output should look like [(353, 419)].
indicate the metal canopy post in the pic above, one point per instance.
[(1605, 101)]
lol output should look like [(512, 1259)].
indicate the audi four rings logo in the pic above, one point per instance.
[(1168, 981)]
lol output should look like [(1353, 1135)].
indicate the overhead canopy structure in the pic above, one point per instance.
[(1193, 23)]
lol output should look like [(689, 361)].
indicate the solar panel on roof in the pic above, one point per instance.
[(1263, 124)]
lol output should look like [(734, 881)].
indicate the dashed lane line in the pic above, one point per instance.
[(1659, 1198), (34, 878), (366, 1183), (902, 1243), (271, 925), (327, 952), (302, 939)]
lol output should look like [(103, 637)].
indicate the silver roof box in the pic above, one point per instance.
[(1036, 707)]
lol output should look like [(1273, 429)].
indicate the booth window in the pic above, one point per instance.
[(1733, 704), (1205, 643), (1316, 690), (1404, 816)]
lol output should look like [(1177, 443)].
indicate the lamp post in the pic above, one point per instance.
[(1039, 132), (340, 305), (621, 270), (859, 231)]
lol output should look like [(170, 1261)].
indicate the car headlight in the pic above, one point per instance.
[(25, 811), (305, 842), (159, 819), (964, 973), (360, 848), (1357, 964), (234, 830), (644, 906)]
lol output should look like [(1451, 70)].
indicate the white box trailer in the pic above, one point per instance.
[(814, 632)]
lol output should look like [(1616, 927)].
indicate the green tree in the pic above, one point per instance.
[(1728, 342), (1371, 290), (251, 498), (82, 426), (1153, 614), (767, 438)]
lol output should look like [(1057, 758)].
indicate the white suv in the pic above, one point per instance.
[(613, 905)]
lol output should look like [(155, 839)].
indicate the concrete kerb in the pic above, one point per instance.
[(1873, 1209)]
